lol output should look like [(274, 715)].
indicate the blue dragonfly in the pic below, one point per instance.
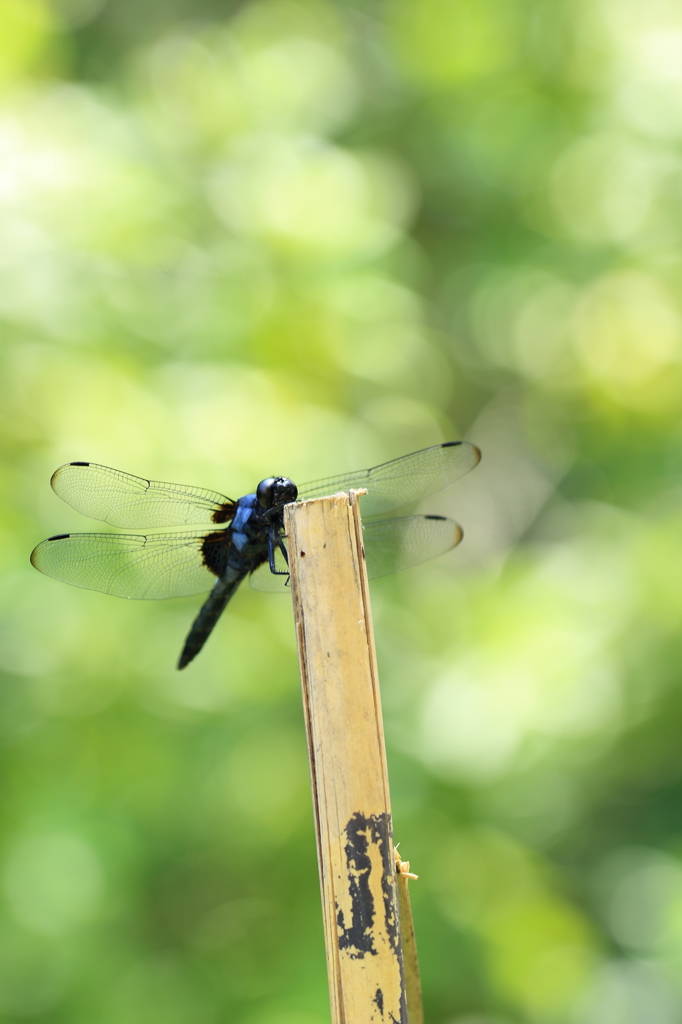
[(238, 538)]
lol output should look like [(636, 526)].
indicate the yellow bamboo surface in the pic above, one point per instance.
[(347, 761)]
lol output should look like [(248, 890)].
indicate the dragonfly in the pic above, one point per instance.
[(236, 539)]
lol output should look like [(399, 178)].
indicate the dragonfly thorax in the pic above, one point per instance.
[(276, 490)]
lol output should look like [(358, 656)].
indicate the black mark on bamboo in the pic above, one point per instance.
[(357, 936)]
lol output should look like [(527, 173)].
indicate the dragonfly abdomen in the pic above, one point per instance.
[(211, 611)]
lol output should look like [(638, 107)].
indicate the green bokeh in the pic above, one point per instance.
[(301, 238)]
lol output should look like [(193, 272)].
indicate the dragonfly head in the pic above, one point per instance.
[(276, 490)]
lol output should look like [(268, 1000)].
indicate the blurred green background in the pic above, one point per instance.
[(302, 238)]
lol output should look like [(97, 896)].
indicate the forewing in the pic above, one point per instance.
[(131, 501), (401, 481), (395, 544), (390, 545), (262, 579), (128, 565)]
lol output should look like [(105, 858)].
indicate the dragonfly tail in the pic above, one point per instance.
[(210, 612)]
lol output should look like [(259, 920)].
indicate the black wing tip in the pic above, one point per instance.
[(56, 473), (446, 519), (35, 554), (454, 444)]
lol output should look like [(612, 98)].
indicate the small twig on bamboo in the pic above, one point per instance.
[(413, 985)]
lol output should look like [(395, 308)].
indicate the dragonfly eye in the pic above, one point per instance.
[(276, 490), (265, 492), (285, 490)]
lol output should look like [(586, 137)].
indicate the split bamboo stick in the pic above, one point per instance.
[(347, 761)]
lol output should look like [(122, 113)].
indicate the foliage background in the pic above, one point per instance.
[(304, 237)]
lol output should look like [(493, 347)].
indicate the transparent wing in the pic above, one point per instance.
[(390, 545), (131, 501), (262, 579), (128, 565), (401, 481), (395, 544)]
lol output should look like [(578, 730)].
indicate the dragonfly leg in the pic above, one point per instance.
[(275, 541)]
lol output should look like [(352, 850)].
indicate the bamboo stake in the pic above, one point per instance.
[(347, 761)]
